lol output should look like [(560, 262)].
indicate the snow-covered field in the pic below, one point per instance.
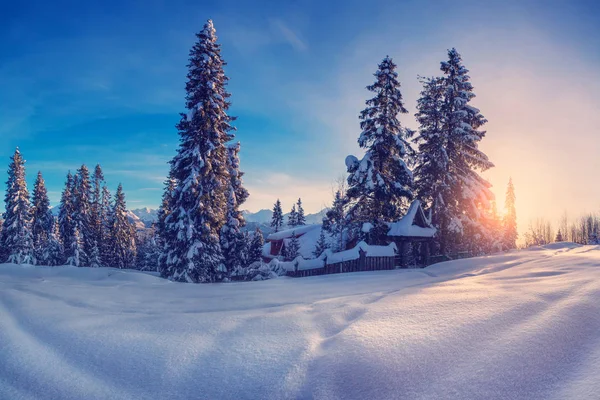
[(524, 325)]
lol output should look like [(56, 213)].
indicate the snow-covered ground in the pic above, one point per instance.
[(524, 325)]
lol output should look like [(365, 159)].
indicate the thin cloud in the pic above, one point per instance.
[(289, 35)]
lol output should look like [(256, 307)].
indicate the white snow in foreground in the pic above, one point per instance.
[(523, 325)]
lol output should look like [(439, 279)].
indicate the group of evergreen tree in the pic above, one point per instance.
[(89, 231), (444, 172)]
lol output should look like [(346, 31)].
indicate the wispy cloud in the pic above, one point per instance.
[(284, 31)]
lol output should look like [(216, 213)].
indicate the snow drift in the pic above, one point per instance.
[(521, 325)]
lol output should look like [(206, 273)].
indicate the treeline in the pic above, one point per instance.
[(583, 230), (91, 229)]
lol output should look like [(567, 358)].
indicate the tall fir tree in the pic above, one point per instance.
[(106, 218), (82, 193), (446, 173), (193, 250), (16, 242), (431, 171), (293, 217), (277, 217), (66, 225), (470, 193), (300, 218), (234, 243), (380, 185), (510, 218), (162, 230), (122, 235), (42, 227), (96, 217)]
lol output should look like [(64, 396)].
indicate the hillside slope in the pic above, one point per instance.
[(522, 325)]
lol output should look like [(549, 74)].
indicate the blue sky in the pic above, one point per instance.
[(103, 82)]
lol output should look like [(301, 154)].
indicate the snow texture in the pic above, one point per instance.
[(520, 325)]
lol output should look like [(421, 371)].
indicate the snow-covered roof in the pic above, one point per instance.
[(288, 233), (354, 253), (414, 223)]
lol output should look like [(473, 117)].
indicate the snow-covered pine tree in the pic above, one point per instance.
[(42, 226), (256, 246), (66, 225), (334, 221), (106, 217), (122, 236), (461, 122), (234, 243), (300, 218), (277, 218), (431, 172), (53, 252), (293, 217), (16, 241), (510, 218), (321, 245), (96, 217), (380, 185), (75, 248), (161, 227), (292, 248), (193, 251), (83, 218), (147, 253)]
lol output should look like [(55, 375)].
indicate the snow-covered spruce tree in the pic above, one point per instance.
[(380, 185), (300, 218), (334, 221), (193, 250), (161, 227), (256, 246), (432, 180), (510, 218), (277, 218), (66, 225), (83, 218), (292, 248), (147, 253), (321, 245), (96, 226), (122, 236), (234, 243), (16, 241), (106, 217), (53, 252), (461, 122), (75, 248), (42, 226), (293, 217)]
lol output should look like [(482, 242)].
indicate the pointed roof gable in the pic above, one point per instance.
[(413, 224)]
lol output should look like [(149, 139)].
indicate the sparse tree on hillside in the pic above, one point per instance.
[(277, 218), (300, 218), (293, 217)]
